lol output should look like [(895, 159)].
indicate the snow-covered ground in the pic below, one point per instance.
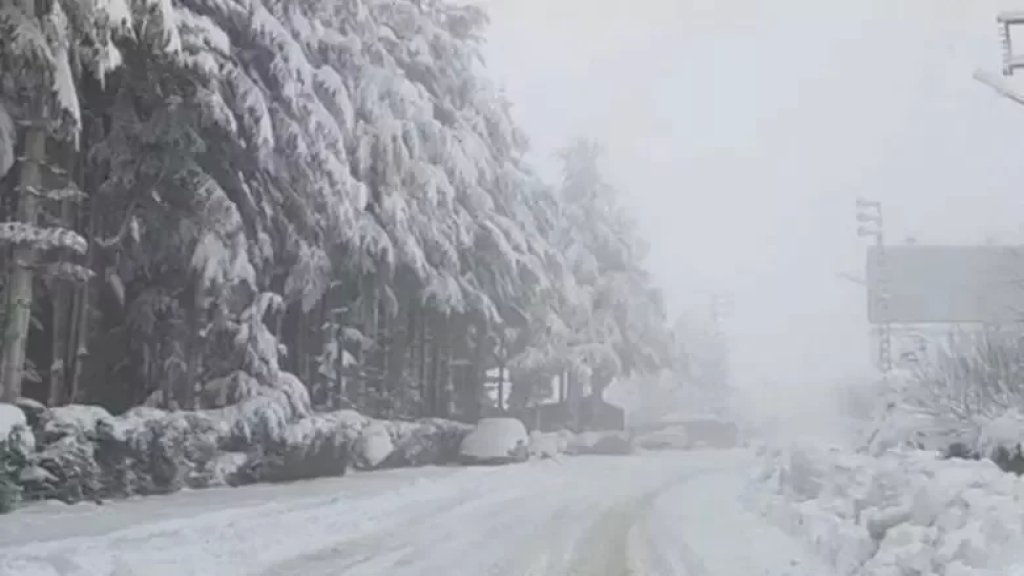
[(665, 514), (902, 513)]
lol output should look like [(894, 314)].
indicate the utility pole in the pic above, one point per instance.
[(721, 310), (871, 225)]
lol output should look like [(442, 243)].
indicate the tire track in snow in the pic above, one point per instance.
[(610, 547), (648, 515)]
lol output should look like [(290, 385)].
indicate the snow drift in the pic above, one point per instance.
[(899, 514)]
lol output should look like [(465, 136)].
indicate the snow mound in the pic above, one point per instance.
[(74, 419), (373, 446), (32, 409), (547, 445), (311, 447), (668, 438), (600, 443), (900, 514), (496, 440), (426, 441), (226, 469), (1003, 432), (11, 418)]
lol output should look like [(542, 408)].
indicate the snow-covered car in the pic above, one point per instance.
[(608, 442), (668, 438), (688, 433), (712, 433), (495, 441)]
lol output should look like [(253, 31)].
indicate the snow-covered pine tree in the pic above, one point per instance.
[(330, 188), (44, 49), (615, 318)]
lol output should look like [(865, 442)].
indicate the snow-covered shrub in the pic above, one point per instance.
[(226, 469), (964, 401), (148, 451), (312, 447), (15, 445), (15, 430), (495, 440), (373, 446), (87, 453), (901, 514), (71, 471), (272, 436), (255, 414), (426, 441), (32, 411), (70, 420)]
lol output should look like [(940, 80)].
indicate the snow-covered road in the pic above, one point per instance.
[(670, 514)]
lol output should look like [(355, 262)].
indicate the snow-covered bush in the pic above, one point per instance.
[(86, 453), (15, 443), (76, 419), (496, 440), (70, 471), (255, 414), (900, 514), (149, 451), (373, 446), (312, 447), (10, 471), (965, 401), (426, 441), (33, 411)]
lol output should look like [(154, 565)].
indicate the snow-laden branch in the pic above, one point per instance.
[(41, 238)]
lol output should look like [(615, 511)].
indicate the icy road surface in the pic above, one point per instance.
[(665, 514)]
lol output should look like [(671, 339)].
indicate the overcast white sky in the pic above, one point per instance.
[(740, 132)]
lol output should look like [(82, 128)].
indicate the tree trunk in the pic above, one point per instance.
[(445, 371), (397, 355), (501, 388), (573, 397), (59, 349), (423, 376), (77, 340), (310, 330), (63, 324), (19, 288), (193, 349), (82, 304), (478, 370), (433, 380), (384, 343), (501, 358)]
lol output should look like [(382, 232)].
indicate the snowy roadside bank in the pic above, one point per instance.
[(900, 513), (75, 453), (82, 453)]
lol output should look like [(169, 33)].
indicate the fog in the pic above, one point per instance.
[(740, 133)]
